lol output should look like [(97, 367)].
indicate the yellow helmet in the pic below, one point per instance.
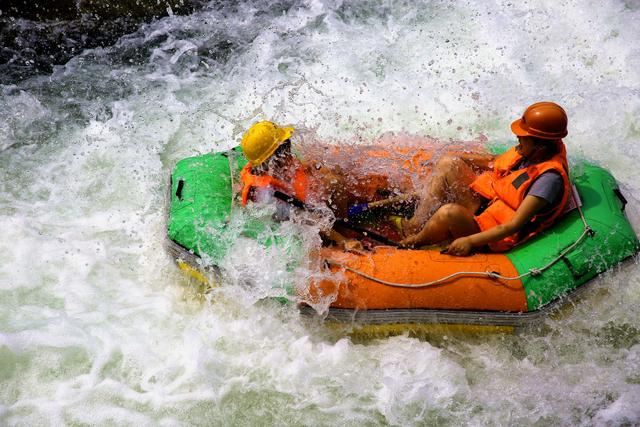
[(262, 139)]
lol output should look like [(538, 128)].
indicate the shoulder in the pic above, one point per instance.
[(549, 186), (549, 177)]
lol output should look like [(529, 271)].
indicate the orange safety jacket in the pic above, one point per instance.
[(298, 189), (506, 188)]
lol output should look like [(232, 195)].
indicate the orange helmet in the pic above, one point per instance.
[(546, 120)]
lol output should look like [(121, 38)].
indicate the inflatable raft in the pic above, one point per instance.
[(392, 286)]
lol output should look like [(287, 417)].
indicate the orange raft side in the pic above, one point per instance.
[(352, 291)]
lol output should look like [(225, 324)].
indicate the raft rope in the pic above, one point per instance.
[(533, 272)]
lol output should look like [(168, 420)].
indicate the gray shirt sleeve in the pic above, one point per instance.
[(548, 186)]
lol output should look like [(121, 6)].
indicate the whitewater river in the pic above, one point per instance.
[(98, 326)]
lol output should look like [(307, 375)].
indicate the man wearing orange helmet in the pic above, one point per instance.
[(523, 191)]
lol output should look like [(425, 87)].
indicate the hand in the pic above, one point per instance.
[(410, 242), (353, 245), (460, 247)]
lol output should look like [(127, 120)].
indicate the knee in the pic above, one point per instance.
[(448, 163), (451, 212)]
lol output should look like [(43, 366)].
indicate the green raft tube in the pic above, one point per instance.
[(543, 273)]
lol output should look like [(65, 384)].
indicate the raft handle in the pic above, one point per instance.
[(618, 193), (179, 189)]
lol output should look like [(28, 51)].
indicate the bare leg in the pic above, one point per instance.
[(448, 183), (449, 222)]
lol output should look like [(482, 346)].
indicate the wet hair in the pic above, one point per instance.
[(541, 141), (283, 148), (549, 144)]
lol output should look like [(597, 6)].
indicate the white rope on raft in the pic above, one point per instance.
[(587, 230)]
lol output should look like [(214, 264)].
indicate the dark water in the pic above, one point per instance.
[(37, 36)]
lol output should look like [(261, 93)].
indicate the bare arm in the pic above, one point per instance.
[(343, 242), (482, 161), (530, 206)]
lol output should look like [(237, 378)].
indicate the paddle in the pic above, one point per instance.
[(359, 208), (342, 221)]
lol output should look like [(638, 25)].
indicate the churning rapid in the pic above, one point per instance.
[(98, 326)]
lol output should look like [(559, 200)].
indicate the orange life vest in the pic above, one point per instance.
[(507, 188), (297, 189)]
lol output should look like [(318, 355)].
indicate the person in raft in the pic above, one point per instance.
[(274, 172), (520, 193)]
